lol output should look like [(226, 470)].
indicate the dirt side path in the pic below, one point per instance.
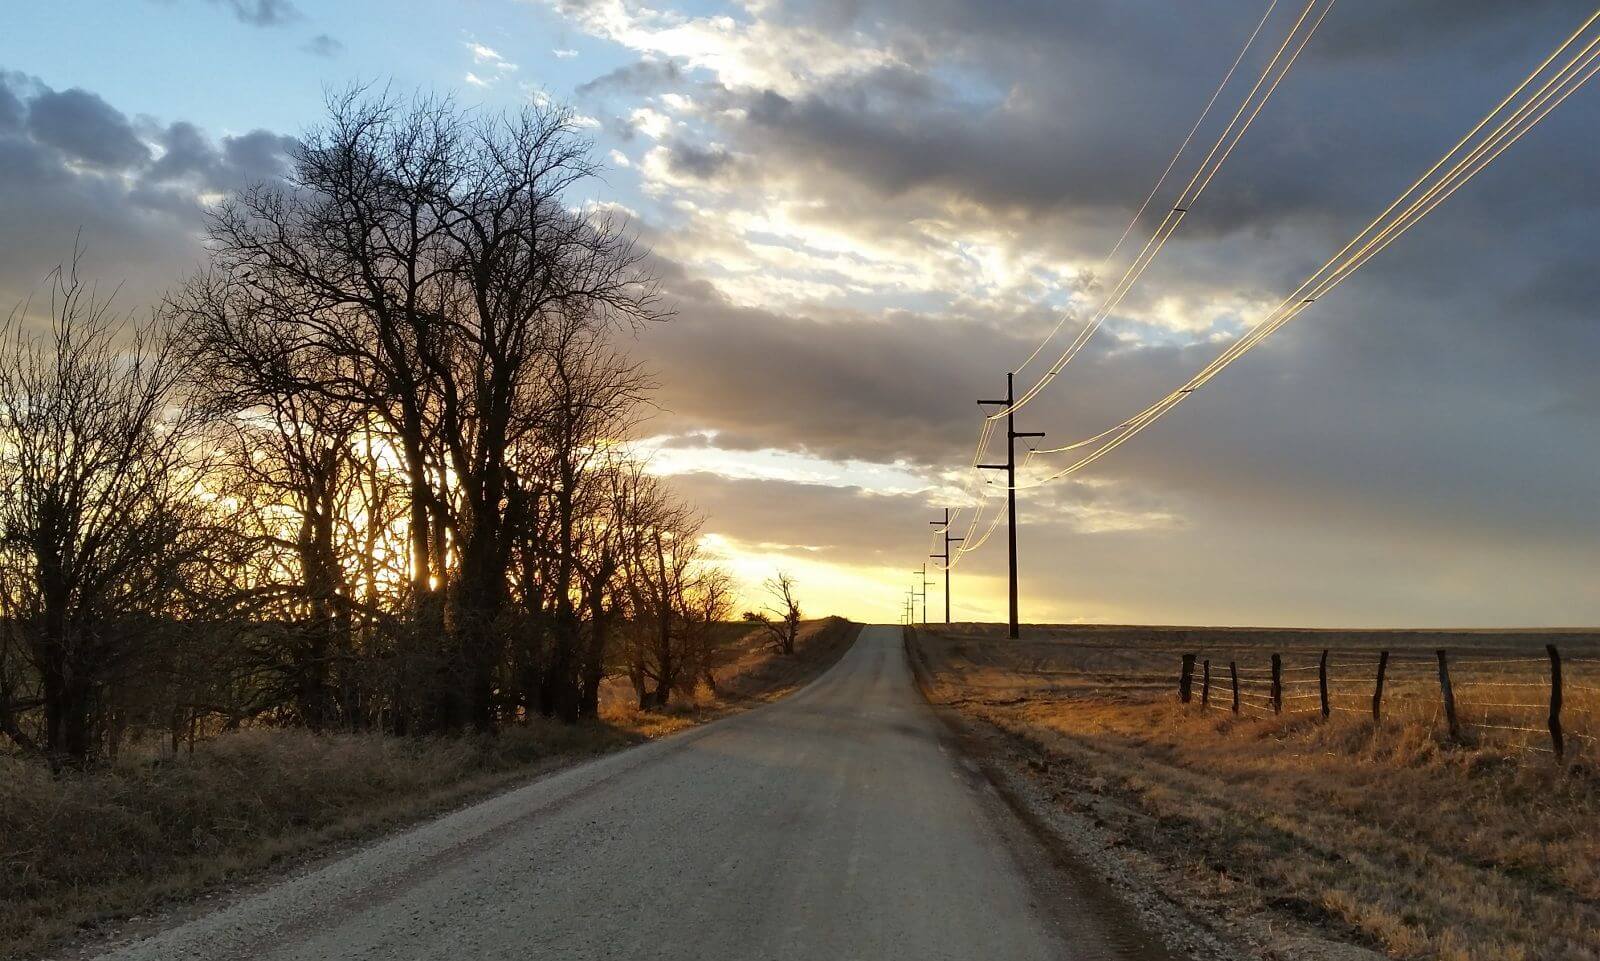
[(1073, 812)]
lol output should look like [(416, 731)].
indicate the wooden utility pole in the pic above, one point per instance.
[(922, 572), (1010, 467), (948, 540)]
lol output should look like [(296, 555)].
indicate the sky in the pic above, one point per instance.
[(864, 212)]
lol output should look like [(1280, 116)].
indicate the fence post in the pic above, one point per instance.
[(1449, 696), (1233, 668), (1186, 679), (1277, 684), (1322, 682), (1205, 684), (1377, 693), (1556, 741)]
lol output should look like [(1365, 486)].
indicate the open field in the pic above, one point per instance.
[(1391, 835), (154, 827)]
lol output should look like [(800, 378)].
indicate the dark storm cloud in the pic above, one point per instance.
[(644, 76), (1455, 423), (701, 163), (77, 167), (1410, 372), (1072, 107), (11, 111), (85, 127), (1387, 30)]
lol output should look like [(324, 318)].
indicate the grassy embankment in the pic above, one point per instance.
[(155, 828), (1387, 835)]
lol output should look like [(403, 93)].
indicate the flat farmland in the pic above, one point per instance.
[(1288, 828)]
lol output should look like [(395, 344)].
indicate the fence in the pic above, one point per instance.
[(1518, 695)]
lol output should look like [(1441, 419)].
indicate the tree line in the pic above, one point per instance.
[(367, 470)]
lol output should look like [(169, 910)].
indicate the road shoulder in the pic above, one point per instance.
[(1073, 861)]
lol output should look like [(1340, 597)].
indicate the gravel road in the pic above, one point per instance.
[(834, 824)]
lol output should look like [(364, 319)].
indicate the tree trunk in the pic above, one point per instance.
[(69, 722), (594, 667)]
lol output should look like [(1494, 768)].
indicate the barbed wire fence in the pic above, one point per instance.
[(1524, 700)]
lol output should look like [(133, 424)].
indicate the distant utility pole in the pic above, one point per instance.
[(1010, 467), (925, 582), (922, 574), (948, 540)]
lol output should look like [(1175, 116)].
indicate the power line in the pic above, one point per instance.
[(1383, 230), (1169, 224), (1266, 84), (1189, 138)]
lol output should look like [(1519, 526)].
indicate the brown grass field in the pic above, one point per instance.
[(155, 828), (1392, 835)]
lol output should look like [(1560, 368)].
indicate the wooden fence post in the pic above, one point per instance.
[(1449, 696), (1322, 682), (1277, 684), (1377, 693), (1556, 740), (1233, 668), (1186, 679), (1205, 684)]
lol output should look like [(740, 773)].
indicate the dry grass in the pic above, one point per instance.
[(1387, 835), (154, 828)]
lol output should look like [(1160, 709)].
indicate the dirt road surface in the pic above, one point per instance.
[(834, 824)]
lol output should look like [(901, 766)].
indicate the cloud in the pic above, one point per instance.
[(261, 13), (701, 163), (563, 54), (756, 53), (639, 77), (489, 58), (85, 128), (323, 45), (865, 211), (137, 190)]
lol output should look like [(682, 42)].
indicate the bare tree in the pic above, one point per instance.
[(781, 619), (435, 253), (590, 395), (706, 605), (106, 532), (380, 478)]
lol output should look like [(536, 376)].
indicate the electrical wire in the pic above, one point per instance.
[(1578, 70), (1170, 222), (1271, 76), (1182, 147)]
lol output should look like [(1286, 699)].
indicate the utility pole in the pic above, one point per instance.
[(925, 584), (1010, 467), (922, 574), (948, 540)]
